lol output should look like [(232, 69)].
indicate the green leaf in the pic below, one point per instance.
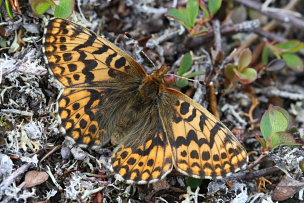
[(41, 6), (244, 59), (282, 138), (186, 16), (248, 75), (9, 9), (64, 9), (200, 32), (301, 164), (274, 121), (185, 65), (294, 62), (265, 54), (229, 71), (194, 182), (214, 6), (181, 82), (195, 73), (291, 46)]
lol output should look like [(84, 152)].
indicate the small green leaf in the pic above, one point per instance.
[(214, 6), (301, 164), (9, 9), (192, 10), (294, 62), (248, 75), (181, 82), (194, 182), (229, 71), (265, 54), (185, 65), (186, 16), (244, 59), (64, 9), (41, 6), (275, 120), (195, 73), (201, 32), (291, 46), (282, 138)]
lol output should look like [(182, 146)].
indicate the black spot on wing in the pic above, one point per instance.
[(184, 109), (101, 50), (88, 43), (192, 116)]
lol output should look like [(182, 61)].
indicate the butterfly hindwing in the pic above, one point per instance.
[(202, 146), (79, 113), (144, 163)]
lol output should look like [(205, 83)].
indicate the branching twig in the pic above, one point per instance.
[(280, 16)]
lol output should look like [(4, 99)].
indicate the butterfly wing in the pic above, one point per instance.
[(87, 66), (202, 146), (145, 159)]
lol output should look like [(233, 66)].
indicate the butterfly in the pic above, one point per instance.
[(108, 97)]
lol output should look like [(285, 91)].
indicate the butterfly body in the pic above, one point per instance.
[(107, 96)]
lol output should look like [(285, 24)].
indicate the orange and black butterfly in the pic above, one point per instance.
[(107, 96)]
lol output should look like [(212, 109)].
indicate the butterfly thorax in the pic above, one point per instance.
[(153, 83), (142, 102)]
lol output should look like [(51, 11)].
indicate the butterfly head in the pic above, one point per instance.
[(152, 83), (160, 73)]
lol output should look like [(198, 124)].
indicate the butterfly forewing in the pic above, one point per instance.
[(78, 57), (202, 146), (87, 66)]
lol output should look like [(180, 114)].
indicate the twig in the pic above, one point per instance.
[(53, 178), (269, 35), (51, 152), (213, 101), (217, 35), (255, 103), (247, 26), (9, 180), (23, 113), (280, 16), (273, 91), (254, 174), (262, 156)]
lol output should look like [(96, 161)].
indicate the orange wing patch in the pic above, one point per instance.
[(146, 163), (202, 146), (79, 113), (78, 57)]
